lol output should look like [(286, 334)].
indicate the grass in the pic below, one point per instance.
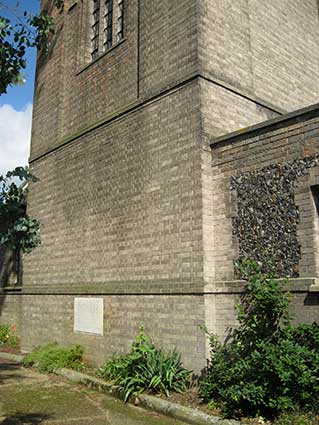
[(49, 357)]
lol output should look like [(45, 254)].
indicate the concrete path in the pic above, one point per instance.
[(31, 398)]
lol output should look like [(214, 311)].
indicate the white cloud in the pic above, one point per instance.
[(15, 136)]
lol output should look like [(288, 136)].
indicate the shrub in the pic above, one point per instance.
[(49, 357), (267, 366), (297, 419), (306, 335), (146, 368), (8, 336)]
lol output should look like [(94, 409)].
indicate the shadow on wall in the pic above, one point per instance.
[(312, 299), (10, 268), (10, 271)]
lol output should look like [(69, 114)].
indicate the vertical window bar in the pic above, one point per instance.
[(108, 28), (95, 29), (120, 21)]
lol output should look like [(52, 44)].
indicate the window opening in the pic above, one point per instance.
[(108, 28), (107, 25), (95, 29)]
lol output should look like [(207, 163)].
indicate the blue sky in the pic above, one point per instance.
[(16, 105)]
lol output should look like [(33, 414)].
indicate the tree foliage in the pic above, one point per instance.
[(23, 30), (16, 35), (18, 231)]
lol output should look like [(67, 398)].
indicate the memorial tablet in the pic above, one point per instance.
[(88, 315)]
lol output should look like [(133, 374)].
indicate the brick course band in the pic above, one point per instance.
[(135, 106), (152, 288)]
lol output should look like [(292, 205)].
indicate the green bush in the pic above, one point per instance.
[(297, 419), (268, 366), (306, 335), (49, 357), (146, 368), (8, 336)]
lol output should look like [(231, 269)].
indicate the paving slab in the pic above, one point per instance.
[(30, 398)]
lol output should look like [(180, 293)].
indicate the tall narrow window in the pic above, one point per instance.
[(120, 21), (108, 27), (95, 29)]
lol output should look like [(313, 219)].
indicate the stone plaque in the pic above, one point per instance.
[(88, 315)]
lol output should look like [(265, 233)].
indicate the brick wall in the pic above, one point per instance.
[(168, 44), (278, 140), (128, 203), (257, 52), (267, 49), (10, 310), (221, 302), (283, 141), (9, 273), (158, 50), (123, 203), (222, 111), (130, 207), (172, 321)]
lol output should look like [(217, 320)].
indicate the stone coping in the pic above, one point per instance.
[(155, 288), (173, 410), (10, 289), (18, 358), (285, 120), (238, 286)]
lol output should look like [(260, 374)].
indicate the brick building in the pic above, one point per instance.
[(142, 176)]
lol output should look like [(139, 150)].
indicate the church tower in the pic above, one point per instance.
[(127, 102)]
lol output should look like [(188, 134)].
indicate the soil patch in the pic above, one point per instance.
[(190, 399), (11, 350)]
